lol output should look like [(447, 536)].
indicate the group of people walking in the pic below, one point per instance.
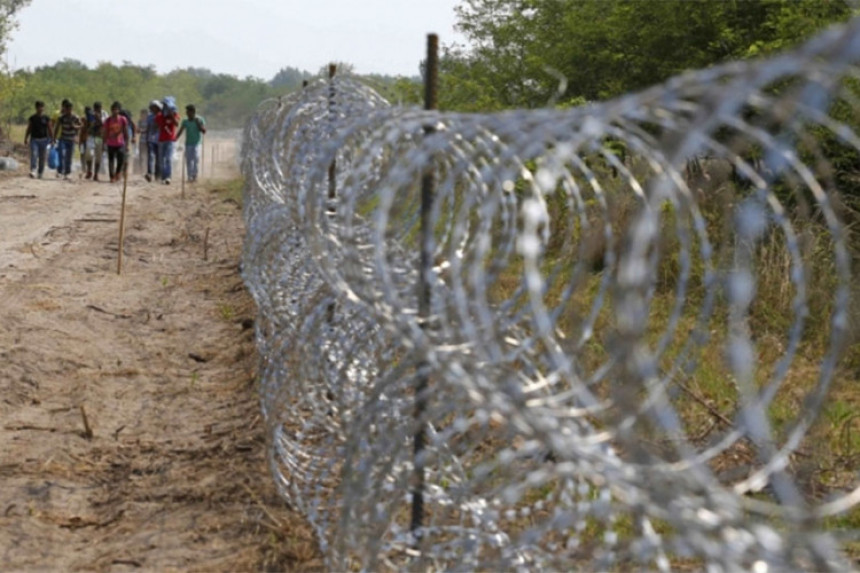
[(98, 132)]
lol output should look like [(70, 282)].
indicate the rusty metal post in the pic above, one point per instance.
[(428, 184), (332, 169)]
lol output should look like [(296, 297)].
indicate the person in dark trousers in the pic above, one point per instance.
[(66, 135), (168, 123), (130, 135), (82, 138), (153, 165), (140, 158), (116, 130), (39, 130)]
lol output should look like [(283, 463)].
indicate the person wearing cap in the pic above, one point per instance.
[(168, 122), (194, 127), (153, 165)]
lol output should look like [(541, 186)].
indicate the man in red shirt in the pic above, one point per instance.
[(168, 123), (114, 132)]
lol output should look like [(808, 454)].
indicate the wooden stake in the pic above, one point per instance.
[(122, 223), (88, 431), (182, 177)]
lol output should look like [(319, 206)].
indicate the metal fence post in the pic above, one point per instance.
[(332, 169), (428, 183)]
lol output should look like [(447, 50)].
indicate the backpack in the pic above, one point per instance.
[(169, 103), (127, 115)]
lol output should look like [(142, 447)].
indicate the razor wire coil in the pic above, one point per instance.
[(578, 297)]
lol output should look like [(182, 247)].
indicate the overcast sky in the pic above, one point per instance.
[(242, 37)]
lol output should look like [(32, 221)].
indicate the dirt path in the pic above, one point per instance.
[(160, 360)]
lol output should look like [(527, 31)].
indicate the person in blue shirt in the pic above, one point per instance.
[(153, 165)]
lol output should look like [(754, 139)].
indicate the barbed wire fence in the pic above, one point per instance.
[(534, 339)]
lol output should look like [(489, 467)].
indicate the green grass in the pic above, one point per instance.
[(16, 133), (229, 190), (708, 400), (226, 311)]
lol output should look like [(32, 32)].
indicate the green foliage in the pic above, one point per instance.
[(528, 53), (8, 9), (290, 78), (537, 53), (224, 100), (9, 85), (467, 86), (406, 91), (399, 90)]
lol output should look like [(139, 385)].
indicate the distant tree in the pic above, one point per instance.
[(398, 90), (406, 91), (290, 78), (466, 84), (11, 85), (342, 68), (519, 49), (8, 9), (203, 73), (226, 101)]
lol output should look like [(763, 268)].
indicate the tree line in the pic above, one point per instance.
[(227, 101), (531, 53), (539, 53), (518, 54)]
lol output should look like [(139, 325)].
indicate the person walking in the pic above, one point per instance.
[(130, 136), (82, 138), (194, 127), (153, 165), (168, 121), (39, 130), (115, 134), (140, 158), (55, 120), (93, 141), (66, 135)]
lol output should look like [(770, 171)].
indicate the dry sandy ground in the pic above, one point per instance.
[(130, 437)]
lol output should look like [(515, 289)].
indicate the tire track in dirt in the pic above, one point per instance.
[(159, 361)]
